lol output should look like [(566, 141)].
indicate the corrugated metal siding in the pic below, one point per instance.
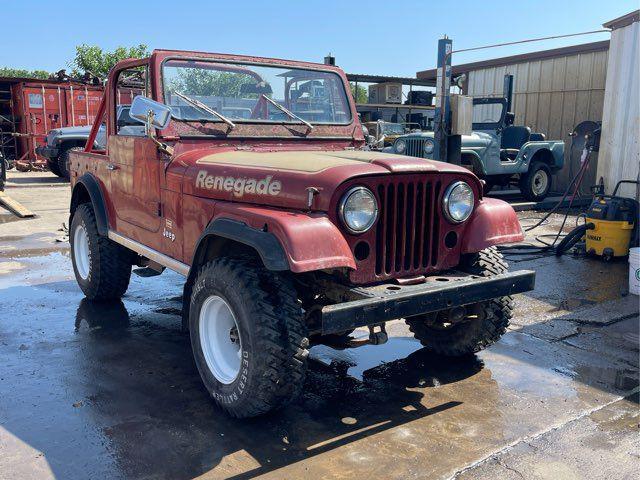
[(551, 96), (620, 149)]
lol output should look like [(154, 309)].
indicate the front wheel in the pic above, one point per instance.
[(536, 183), (63, 162), (53, 167), (472, 328), (248, 336), (102, 267)]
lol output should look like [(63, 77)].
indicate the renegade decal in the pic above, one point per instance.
[(239, 186)]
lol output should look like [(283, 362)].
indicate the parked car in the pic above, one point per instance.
[(285, 239), (383, 134), (498, 151), (61, 141)]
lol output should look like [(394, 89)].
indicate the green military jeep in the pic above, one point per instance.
[(497, 151)]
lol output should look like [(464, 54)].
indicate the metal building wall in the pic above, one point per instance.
[(551, 96), (619, 145)]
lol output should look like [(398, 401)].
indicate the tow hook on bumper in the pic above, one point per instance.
[(385, 302)]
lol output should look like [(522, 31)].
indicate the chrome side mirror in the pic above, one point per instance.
[(151, 113)]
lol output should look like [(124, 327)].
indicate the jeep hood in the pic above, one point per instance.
[(284, 178)]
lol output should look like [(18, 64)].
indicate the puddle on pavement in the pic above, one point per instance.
[(30, 268), (355, 361), (114, 383)]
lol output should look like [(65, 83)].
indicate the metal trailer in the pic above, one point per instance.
[(30, 108)]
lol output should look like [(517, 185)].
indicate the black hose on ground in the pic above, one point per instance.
[(573, 237), (548, 248)]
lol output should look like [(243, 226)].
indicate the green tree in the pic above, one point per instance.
[(198, 81), (359, 94), (17, 72), (98, 62)]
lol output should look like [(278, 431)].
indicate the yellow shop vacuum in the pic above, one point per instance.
[(611, 224)]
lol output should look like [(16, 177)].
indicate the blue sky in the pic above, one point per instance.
[(376, 37)]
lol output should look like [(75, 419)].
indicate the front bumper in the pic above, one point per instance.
[(389, 301), (47, 151)]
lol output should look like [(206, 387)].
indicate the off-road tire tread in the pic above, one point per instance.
[(111, 270), (498, 311), (53, 167), (280, 329), (63, 162)]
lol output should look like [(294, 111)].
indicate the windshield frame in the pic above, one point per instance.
[(256, 121), (490, 101)]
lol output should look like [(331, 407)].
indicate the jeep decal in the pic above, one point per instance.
[(239, 186)]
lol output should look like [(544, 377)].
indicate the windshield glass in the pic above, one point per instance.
[(392, 129), (487, 113), (237, 91)]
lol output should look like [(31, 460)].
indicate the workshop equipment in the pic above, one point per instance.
[(614, 219)]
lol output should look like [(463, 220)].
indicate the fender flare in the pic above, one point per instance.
[(554, 150), (91, 185), (494, 222), (476, 161), (264, 243)]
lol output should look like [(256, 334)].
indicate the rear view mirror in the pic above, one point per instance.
[(145, 110)]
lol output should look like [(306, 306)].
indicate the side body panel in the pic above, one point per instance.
[(310, 240), (135, 182)]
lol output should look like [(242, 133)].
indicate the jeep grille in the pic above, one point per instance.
[(409, 237), (415, 147), (407, 230)]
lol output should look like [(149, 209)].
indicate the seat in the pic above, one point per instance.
[(513, 138), (537, 137)]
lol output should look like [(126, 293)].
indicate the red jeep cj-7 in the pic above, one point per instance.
[(248, 176)]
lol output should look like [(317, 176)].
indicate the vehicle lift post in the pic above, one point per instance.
[(447, 146)]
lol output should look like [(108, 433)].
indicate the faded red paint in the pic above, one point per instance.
[(147, 191), (494, 222)]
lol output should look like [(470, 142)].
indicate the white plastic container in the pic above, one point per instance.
[(634, 270)]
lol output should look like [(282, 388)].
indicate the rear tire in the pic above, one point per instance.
[(63, 161), (102, 267), (536, 183), (248, 336), (472, 334)]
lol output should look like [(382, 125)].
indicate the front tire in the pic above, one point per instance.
[(536, 183), (102, 267), (248, 336), (53, 167), (63, 162), (485, 322)]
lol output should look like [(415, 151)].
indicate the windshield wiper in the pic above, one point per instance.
[(206, 108), (287, 112)]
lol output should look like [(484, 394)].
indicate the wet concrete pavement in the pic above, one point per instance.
[(111, 391)]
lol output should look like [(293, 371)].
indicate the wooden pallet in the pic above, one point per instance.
[(15, 207)]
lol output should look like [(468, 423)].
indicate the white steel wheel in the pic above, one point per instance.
[(539, 182), (220, 339), (81, 253)]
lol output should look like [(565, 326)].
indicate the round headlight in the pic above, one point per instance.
[(458, 202), (358, 209), (400, 146), (429, 145)]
